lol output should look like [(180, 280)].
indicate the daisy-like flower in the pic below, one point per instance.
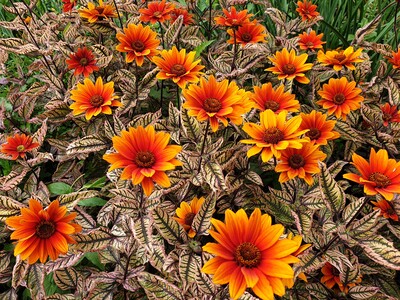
[(307, 10), (340, 58), (248, 33), (320, 130), (332, 277), (145, 156), (138, 42), (301, 163), (182, 68), (18, 145), (340, 97), (216, 101), (187, 17), (390, 114), (387, 210), (250, 253), (95, 13), (233, 18), (290, 66), (93, 98), (395, 59), (69, 5), (276, 100), (380, 175), (273, 135), (186, 213), (83, 62), (310, 41), (42, 232), (156, 11)]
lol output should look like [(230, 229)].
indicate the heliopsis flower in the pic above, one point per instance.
[(248, 33), (69, 5), (379, 175), (18, 145), (273, 135), (307, 10), (387, 210), (290, 66), (145, 156), (182, 68), (320, 130), (95, 13), (395, 59), (250, 253), (276, 100), (310, 41), (302, 163), (340, 97), (139, 42), (93, 98), (216, 101), (390, 114), (233, 18), (42, 232), (83, 62), (187, 18), (332, 277), (186, 213), (156, 11), (340, 58)]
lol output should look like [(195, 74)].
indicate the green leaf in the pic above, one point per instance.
[(59, 188), (97, 184), (200, 48), (93, 257), (94, 201)]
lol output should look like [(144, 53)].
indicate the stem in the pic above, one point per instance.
[(179, 104), (210, 3), (395, 25), (162, 34), (233, 65), (119, 17), (203, 146)]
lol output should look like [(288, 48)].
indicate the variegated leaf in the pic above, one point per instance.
[(381, 251), (159, 287), (362, 292), (202, 220), (66, 278), (168, 227)]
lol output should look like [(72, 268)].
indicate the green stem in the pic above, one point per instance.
[(203, 146)]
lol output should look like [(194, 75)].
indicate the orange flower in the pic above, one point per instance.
[(307, 10), (156, 11), (390, 114), (250, 253), (139, 42), (69, 5), (387, 210), (42, 232), (182, 68), (233, 18), (290, 66), (95, 13), (248, 33), (145, 156), (93, 99), (340, 58), (300, 163), (18, 145), (395, 59), (276, 100), (310, 41), (216, 101), (187, 18), (83, 62), (186, 213), (332, 277), (273, 135), (320, 130), (340, 97)]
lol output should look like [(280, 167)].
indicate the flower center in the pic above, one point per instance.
[(83, 61), (178, 69), (100, 9), (20, 148), (157, 14), (289, 69), (296, 161), (212, 105), (189, 218), (138, 46), (339, 99), (145, 159), (340, 57), (310, 44), (387, 117), (380, 179), (96, 100), (247, 255), (335, 272), (313, 134), (272, 105), (45, 229), (273, 135), (246, 37)]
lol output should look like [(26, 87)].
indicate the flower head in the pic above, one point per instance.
[(187, 18), (250, 253), (320, 130), (387, 210), (273, 135), (138, 42), (390, 114), (248, 33), (83, 62), (216, 101), (395, 59), (340, 97), (290, 66), (307, 10), (380, 175), (42, 232), (340, 58), (186, 213), (93, 98), (156, 11), (332, 277), (233, 18), (182, 68), (310, 41), (69, 5), (95, 13), (18, 145), (145, 156)]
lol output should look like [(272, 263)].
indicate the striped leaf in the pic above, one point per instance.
[(351, 210), (9, 295), (168, 227), (191, 126), (72, 199), (204, 283), (318, 290), (366, 225), (313, 200), (159, 287), (157, 257), (9, 207), (88, 144), (381, 251), (66, 278), (213, 175), (94, 241), (362, 292), (20, 269), (35, 281), (189, 264), (63, 261), (143, 231), (145, 119), (202, 221)]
